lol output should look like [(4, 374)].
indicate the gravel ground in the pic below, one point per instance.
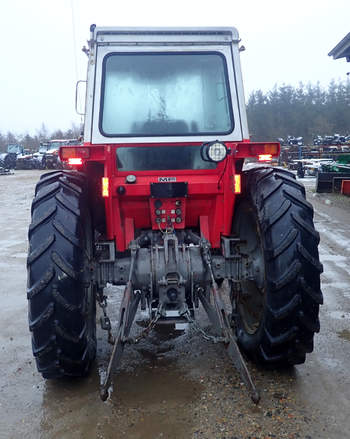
[(174, 384)]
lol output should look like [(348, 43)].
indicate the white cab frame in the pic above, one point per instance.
[(105, 40)]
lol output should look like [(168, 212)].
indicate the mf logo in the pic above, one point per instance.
[(166, 179)]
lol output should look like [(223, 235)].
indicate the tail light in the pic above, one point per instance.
[(265, 157), (265, 149), (262, 150), (75, 161)]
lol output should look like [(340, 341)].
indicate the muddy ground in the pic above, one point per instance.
[(174, 385)]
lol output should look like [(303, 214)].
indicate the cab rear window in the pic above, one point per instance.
[(165, 94), (161, 158)]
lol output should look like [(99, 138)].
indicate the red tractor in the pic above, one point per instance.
[(160, 202)]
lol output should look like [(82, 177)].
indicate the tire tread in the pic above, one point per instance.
[(292, 265), (61, 342)]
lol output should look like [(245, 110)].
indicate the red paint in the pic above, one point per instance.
[(345, 187), (129, 230), (209, 205)]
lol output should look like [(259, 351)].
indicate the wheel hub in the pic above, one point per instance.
[(250, 298)]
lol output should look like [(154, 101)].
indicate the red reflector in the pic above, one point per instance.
[(264, 148), (75, 161), (83, 152), (105, 187), (265, 157), (257, 149), (67, 152), (237, 184)]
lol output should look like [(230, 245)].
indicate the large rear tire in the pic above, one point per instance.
[(62, 307), (276, 307)]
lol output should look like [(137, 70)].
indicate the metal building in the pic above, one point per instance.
[(342, 49)]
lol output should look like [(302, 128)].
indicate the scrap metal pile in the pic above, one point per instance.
[(47, 156), (331, 175)]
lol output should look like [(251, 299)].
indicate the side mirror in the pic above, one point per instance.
[(80, 94)]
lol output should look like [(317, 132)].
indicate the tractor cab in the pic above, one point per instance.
[(15, 149), (164, 85)]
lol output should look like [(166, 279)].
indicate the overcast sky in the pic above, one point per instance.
[(41, 58)]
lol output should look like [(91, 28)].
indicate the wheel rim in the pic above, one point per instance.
[(250, 300)]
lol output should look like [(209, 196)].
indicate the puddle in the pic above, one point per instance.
[(156, 395), (147, 402), (159, 399), (345, 334), (153, 396)]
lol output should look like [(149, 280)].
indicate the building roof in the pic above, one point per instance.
[(342, 49)]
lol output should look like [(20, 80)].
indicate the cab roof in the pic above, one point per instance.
[(165, 34)]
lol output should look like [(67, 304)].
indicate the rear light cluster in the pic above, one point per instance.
[(264, 152), (74, 155)]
